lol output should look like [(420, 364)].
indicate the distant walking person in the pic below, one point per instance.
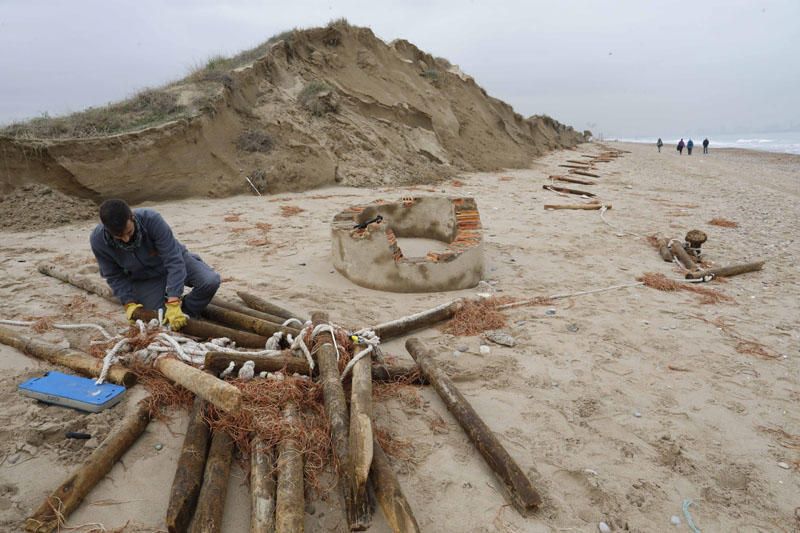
[(689, 146), (705, 145), (659, 143), (681, 144)]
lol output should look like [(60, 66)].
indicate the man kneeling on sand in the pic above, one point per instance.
[(147, 267)]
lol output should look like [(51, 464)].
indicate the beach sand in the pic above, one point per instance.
[(620, 406)]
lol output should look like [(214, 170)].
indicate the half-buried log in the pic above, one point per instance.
[(212, 389), (361, 425), (78, 361), (189, 473), (683, 256), (359, 514), (663, 249), (586, 207), (728, 271), (573, 180), (567, 190), (193, 327), (584, 167), (584, 173), (262, 488), (260, 304), (518, 487), (289, 498), (211, 501), (237, 320), (423, 319), (389, 494), (68, 496)]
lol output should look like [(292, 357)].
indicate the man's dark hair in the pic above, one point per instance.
[(115, 215)]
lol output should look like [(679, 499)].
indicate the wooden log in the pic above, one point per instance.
[(663, 250), (78, 361), (68, 496), (219, 361), (583, 173), (728, 271), (289, 499), (567, 190), (572, 180), (423, 319), (585, 207), (189, 472), (582, 167), (683, 256), (359, 514), (260, 304), (193, 327), (361, 426), (262, 487), (236, 320), (241, 308), (211, 501), (577, 161), (212, 389), (519, 489), (389, 494)]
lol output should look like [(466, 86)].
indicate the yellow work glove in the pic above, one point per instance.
[(174, 315), (130, 309)]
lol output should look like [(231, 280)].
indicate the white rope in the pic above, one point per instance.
[(299, 344), (110, 358), (356, 358), (321, 328), (620, 232), (29, 323), (291, 321), (274, 342)]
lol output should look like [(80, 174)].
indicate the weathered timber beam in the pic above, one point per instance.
[(583, 173), (78, 361), (423, 319), (68, 496), (361, 426), (260, 304), (241, 308), (518, 487), (289, 498), (663, 250), (683, 256), (582, 167), (237, 320), (728, 271), (585, 207), (262, 487), (189, 472), (567, 190), (573, 180), (212, 389), (390, 496), (211, 500)]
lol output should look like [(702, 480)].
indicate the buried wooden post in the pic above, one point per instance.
[(67, 497), (237, 320), (568, 190), (728, 271), (519, 489), (585, 207), (583, 173), (262, 487), (424, 319), (78, 361), (389, 494), (663, 249), (683, 256), (260, 304), (582, 166), (220, 393), (193, 327), (573, 180), (189, 472), (361, 425), (359, 514), (289, 498), (211, 500)]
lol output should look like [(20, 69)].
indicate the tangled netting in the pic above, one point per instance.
[(476, 316)]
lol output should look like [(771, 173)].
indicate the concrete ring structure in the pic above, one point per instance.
[(371, 257)]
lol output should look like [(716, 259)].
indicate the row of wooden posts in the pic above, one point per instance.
[(586, 169), (198, 492)]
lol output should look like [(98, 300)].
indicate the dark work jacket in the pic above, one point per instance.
[(159, 254)]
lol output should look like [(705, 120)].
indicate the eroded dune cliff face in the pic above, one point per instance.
[(324, 106)]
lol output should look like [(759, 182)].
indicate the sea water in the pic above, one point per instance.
[(784, 141)]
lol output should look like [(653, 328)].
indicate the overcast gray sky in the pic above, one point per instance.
[(623, 68)]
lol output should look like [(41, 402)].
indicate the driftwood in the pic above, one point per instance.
[(78, 361), (359, 514), (243, 309), (663, 249), (581, 166), (519, 488), (68, 496), (584, 173), (389, 494), (361, 426), (573, 180), (262, 488), (289, 499), (189, 473), (237, 320), (401, 326), (585, 207), (683, 256), (260, 304), (211, 501), (567, 190), (195, 328), (728, 271), (212, 389)]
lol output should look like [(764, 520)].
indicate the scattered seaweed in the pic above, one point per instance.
[(723, 222), (475, 317), (290, 210), (662, 283)]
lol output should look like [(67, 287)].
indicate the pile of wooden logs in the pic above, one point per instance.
[(672, 249)]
